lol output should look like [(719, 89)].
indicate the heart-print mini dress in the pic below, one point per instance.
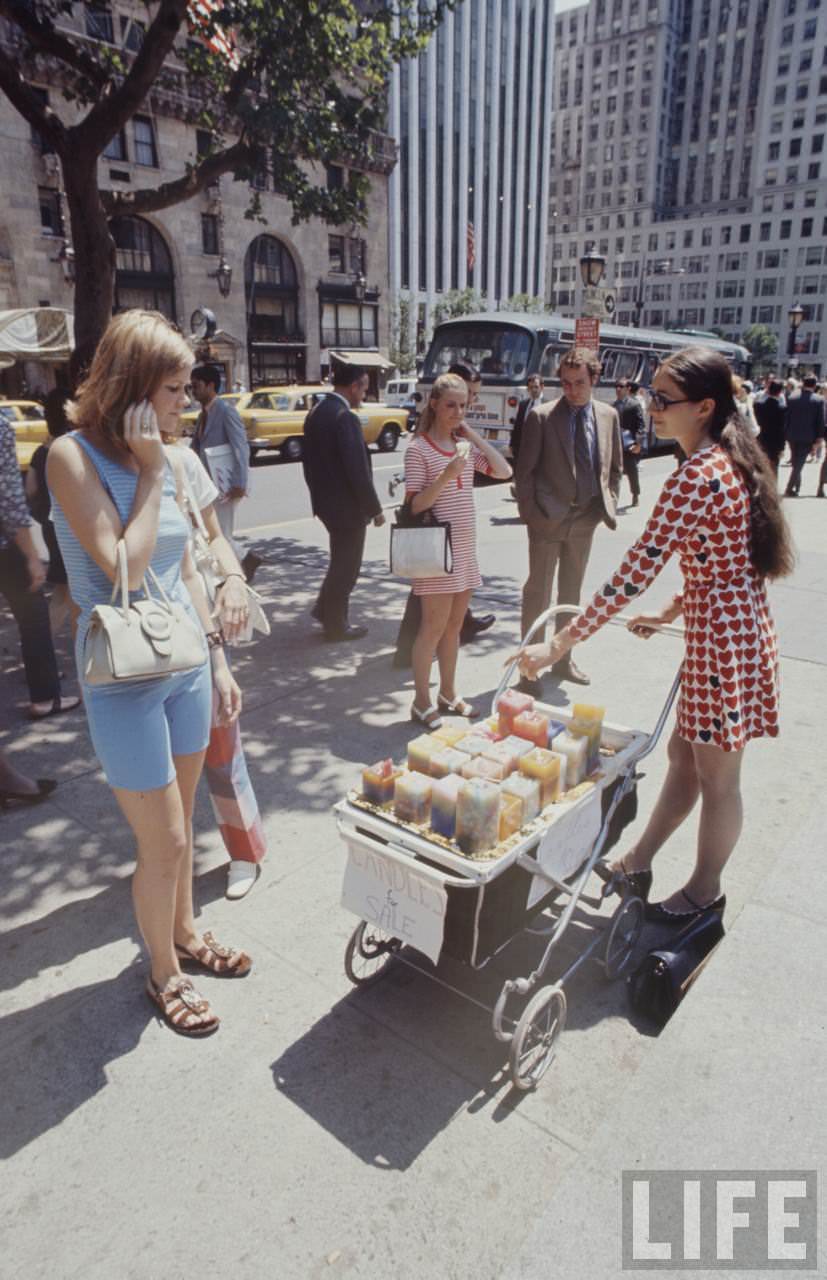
[(729, 681)]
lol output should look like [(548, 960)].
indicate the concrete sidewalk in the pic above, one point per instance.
[(324, 1131)]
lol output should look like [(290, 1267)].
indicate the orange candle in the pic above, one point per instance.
[(533, 726)]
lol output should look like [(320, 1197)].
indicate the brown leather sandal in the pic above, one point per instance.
[(182, 1008), (224, 962)]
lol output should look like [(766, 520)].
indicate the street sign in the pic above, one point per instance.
[(598, 302), (587, 333)]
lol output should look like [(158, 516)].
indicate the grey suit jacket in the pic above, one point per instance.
[(224, 426), (545, 481)]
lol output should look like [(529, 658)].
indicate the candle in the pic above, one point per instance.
[(587, 722), (481, 767), (378, 782), (554, 727), (511, 816), (527, 791), (412, 797), (444, 805), (490, 728), (420, 751), (450, 734), (447, 761), (533, 726), (478, 815), (576, 751), (517, 746), (473, 744), (545, 766), (511, 704)]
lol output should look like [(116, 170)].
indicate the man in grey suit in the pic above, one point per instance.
[(568, 480), (804, 425), (219, 424)]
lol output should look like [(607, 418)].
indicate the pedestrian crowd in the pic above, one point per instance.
[(140, 529)]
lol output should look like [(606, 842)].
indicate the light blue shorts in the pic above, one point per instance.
[(137, 729)]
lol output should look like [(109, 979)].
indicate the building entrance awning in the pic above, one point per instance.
[(46, 334), (370, 359)]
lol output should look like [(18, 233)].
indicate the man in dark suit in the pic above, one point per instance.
[(533, 400), (632, 432), (771, 415), (568, 479), (337, 469), (804, 425)]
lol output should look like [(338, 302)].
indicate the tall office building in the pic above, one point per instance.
[(472, 116), (687, 148)]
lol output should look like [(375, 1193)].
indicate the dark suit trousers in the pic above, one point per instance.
[(630, 472), (346, 550), (800, 451), (31, 613), (566, 553)]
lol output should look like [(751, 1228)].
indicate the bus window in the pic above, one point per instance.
[(501, 352), (626, 366), (608, 364), (548, 364), (647, 372)]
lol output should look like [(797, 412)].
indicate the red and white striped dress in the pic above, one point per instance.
[(424, 463)]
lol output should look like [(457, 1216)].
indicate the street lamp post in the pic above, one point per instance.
[(553, 237), (795, 316), (592, 266)]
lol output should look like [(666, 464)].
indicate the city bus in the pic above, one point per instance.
[(507, 347)]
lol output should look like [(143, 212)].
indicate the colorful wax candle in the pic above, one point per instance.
[(490, 728), (473, 744), (576, 752), (501, 754), (587, 722), (478, 815), (412, 797), (511, 816), (517, 746), (378, 782), (527, 791), (449, 760), (544, 766), (450, 734), (532, 725), (554, 727), (420, 751), (444, 805), (481, 767), (512, 703)]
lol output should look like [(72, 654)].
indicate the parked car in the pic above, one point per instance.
[(399, 391), (30, 430), (274, 417)]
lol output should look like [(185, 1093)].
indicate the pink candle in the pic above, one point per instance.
[(511, 704)]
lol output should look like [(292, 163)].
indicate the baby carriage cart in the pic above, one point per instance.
[(415, 893)]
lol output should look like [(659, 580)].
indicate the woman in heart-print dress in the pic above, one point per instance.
[(721, 514)]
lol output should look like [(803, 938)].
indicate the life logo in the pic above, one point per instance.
[(725, 1220)]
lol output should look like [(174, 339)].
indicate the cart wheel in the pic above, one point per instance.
[(532, 1048), (624, 932), (368, 953)]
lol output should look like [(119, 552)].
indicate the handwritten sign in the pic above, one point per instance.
[(567, 843), (587, 333), (401, 900)]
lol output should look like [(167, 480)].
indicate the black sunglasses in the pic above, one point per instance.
[(660, 402)]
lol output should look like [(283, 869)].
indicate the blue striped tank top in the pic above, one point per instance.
[(88, 584)]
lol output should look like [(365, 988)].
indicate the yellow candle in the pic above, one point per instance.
[(544, 766), (450, 734), (511, 815), (420, 751)]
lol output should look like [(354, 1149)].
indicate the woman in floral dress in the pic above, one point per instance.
[(721, 514)]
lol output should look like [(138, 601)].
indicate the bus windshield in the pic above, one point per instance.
[(501, 352)]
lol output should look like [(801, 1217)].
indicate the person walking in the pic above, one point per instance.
[(219, 425), (111, 483), (804, 426), (40, 505), (632, 433), (440, 464), (568, 480), (337, 468), (720, 513), (22, 575), (771, 416)]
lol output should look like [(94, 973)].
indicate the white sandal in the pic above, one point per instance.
[(430, 717)]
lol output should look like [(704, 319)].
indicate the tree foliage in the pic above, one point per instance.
[(763, 346), (458, 302), (525, 302), (292, 85), (401, 352)]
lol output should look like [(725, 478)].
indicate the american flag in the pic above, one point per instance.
[(221, 41), (470, 246)]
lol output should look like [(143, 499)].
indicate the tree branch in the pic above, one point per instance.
[(22, 97), (169, 193), (46, 39), (114, 109)]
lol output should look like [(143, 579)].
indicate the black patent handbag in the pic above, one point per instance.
[(664, 976)]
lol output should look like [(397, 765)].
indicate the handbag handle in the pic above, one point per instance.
[(194, 509), (122, 581)]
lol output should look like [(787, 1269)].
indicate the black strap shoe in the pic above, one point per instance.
[(657, 913), (565, 669), (346, 633)]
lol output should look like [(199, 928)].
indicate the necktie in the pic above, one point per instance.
[(583, 467)]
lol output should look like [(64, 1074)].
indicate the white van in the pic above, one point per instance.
[(399, 392)]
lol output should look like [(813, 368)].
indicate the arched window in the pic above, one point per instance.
[(275, 343), (144, 276)]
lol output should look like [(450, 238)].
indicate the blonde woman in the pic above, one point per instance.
[(111, 480), (439, 474)]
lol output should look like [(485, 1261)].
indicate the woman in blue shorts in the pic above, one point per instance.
[(110, 479)]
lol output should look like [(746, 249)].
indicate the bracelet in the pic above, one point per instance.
[(231, 575), (215, 639)]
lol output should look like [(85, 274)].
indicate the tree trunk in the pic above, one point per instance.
[(94, 258)]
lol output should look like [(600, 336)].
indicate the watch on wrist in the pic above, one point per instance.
[(215, 639)]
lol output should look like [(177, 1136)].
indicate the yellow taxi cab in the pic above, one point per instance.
[(30, 430), (274, 417)]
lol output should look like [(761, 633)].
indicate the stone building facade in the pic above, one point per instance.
[(295, 293)]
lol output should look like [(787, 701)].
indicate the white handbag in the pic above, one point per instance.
[(140, 639), (420, 545), (210, 570)]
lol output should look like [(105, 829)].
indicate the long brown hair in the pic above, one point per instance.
[(445, 382), (137, 351), (703, 374)]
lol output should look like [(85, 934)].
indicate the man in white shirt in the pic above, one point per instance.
[(220, 425)]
